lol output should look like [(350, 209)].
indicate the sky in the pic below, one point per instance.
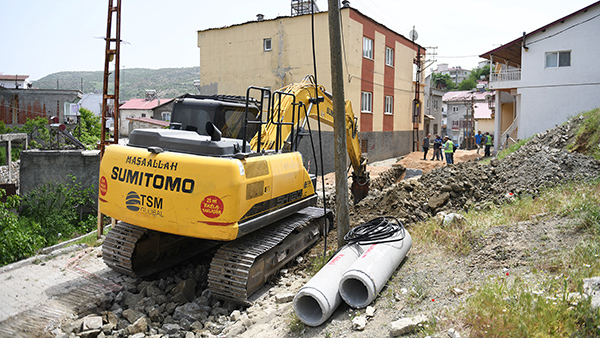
[(41, 37)]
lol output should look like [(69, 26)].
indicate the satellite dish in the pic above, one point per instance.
[(413, 35)]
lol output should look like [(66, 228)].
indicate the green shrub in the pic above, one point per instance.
[(63, 210), (18, 238), (38, 132), (90, 128)]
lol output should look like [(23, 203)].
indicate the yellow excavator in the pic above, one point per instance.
[(226, 176)]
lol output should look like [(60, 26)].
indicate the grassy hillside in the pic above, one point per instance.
[(168, 82)]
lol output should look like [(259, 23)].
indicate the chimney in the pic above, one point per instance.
[(260, 17), (345, 4)]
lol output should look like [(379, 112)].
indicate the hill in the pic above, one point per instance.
[(168, 82)]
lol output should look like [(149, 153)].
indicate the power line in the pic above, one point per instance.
[(562, 31)]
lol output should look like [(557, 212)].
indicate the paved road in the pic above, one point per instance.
[(39, 293)]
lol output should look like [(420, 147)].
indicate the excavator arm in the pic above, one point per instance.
[(290, 109)]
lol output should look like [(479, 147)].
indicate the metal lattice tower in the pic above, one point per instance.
[(112, 54), (301, 7)]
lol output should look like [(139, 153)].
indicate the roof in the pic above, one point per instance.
[(511, 52), (293, 16), (4, 77), (150, 121), (143, 104), (465, 95)]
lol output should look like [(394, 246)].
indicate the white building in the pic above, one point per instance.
[(546, 76), (14, 81), (457, 74)]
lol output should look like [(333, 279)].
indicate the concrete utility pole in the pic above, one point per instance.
[(342, 220)]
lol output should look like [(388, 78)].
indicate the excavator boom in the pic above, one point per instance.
[(291, 107)]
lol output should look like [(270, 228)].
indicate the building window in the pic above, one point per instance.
[(367, 47), (558, 59), (389, 105), (435, 128), (389, 56), (267, 45), (367, 102), (455, 109)]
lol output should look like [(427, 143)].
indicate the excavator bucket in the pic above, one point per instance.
[(360, 187)]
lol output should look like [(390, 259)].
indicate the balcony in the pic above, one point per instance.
[(505, 79)]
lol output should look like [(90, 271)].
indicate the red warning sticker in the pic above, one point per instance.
[(212, 207), (103, 186)]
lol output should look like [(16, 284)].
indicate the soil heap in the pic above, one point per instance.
[(542, 162)]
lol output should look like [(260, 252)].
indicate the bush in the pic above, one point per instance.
[(62, 210), (18, 238)]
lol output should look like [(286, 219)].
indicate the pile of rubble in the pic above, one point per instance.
[(14, 169), (542, 162), (177, 303)]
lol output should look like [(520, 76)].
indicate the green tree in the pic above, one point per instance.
[(467, 84), (90, 128), (38, 132), (3, 128), (443, 79), (480, 73)]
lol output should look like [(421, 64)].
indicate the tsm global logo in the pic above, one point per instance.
[(133, 201)]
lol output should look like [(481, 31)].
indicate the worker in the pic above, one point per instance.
[(426, 146), (478, 140), (448, 150), (488, 143)]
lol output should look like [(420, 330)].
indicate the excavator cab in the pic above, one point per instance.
[(227, 113)]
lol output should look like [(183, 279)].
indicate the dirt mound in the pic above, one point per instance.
[(543, 161)]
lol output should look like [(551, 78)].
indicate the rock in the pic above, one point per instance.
[(284, 297), (452, 218), (370, 312), (92, 323), (591, 286), (437, 201), (197, 326), (140, 326), (458, 291), (406, 325), (170, 307), (155, 315), (153, 291), (110, 318), (359, 323), (235, 315), (138, 335), (184, 292), (132, 315), (133, 299), (89, 334), (107, 328), (171, 328), (452, 333), (74, 327), (191, 311)]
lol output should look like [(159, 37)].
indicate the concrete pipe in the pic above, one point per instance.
[(363, 281), (317, 300)]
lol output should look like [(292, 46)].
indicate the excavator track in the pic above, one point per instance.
[(239, 268), (137, 252)]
